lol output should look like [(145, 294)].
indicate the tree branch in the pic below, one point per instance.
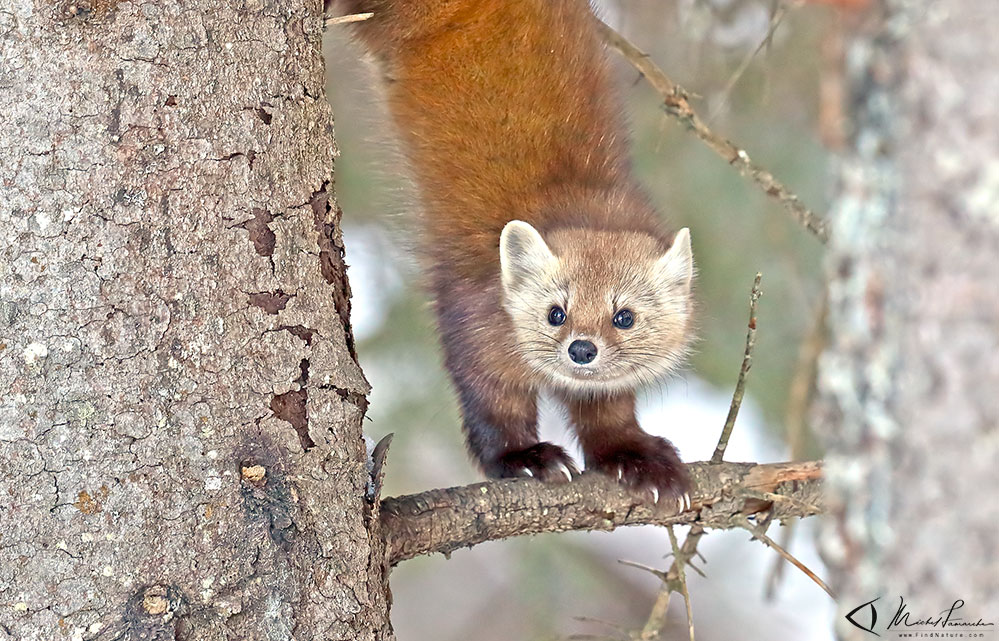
[(740, 383), (682, 582), (724, 495), (676, 105), (760, 533)]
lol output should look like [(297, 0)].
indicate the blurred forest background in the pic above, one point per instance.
[(763, 75)]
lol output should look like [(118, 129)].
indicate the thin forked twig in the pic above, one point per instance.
[(657, 616), (641, 566), (802, 389), (682, 581), (760, 535), (676, 105), (740, 384), (776, 574), (775, 20), (607, 624)]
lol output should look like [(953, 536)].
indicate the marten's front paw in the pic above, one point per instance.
[(651, 466), (542, 461)]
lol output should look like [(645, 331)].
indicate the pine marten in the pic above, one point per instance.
[(549, 267)]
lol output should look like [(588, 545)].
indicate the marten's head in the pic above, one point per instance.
[(597, 311)]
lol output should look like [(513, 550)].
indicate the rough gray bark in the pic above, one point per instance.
[(180, 411), (724, 495), (909, 381)]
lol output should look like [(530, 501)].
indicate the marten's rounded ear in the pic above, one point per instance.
[(676, 266), (523, 253)]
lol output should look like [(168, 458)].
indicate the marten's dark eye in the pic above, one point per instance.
[(624, 319), (556, 315)]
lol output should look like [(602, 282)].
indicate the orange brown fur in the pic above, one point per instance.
[(506, 112)]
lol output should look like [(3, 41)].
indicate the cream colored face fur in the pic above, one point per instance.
[(593, 275)]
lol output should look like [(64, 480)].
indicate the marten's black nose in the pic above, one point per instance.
[(582, 352)]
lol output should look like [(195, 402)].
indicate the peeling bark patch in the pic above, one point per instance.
[(303, 368), (358, 400), (250, 156), (114, 125), (261, 236), (331, 259), (299, 331), (293, 407), (271, 302)]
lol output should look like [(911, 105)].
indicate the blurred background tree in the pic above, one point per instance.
[(908, 402)]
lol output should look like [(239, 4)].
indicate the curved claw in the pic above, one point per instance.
[(565, 470), (527, 472), (648, 466)]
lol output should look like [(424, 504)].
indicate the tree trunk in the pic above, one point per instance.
[(180, 421), (910, 379)]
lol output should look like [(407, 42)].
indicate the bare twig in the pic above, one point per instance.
[(353, 17), (800, 394), (641, 566), (759, 533), (657, 616), (775, 20), (603, 622), (681, 577), (740, 384), (448, 519), (776, 574), (676, 105)]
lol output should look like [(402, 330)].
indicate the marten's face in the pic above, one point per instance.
[(597, 311)]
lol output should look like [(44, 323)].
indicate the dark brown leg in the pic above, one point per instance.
[(501, 425)]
